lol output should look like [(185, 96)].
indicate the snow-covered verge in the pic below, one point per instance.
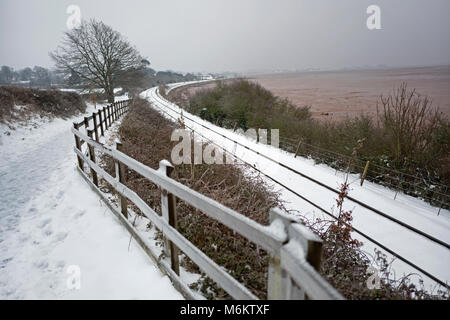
[(430, 256), (173, 86), (142, 224), (52, 225)]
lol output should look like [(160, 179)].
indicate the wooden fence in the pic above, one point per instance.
[(294, 251)]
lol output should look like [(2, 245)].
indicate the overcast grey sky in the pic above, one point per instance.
[(240, 35)]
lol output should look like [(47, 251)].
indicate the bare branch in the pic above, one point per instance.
[(97, 54)]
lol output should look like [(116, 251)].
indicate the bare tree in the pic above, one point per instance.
[(98, 55), (6, 75), (411, 121)]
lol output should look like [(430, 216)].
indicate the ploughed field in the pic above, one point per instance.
[(335, 95)]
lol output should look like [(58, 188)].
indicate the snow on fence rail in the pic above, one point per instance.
[(294, 250)]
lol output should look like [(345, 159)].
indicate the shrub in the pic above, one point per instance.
[(245, 105), (413, 129), (51, 103)]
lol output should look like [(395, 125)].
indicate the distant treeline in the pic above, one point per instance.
[(40, 77), (147, 77), (29, 77)]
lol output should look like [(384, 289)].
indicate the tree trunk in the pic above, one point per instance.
[(110, 94), (109, 88)]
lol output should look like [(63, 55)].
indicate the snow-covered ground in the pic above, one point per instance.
[(52, 225), (172, 86), (432, 257), (85, 91)]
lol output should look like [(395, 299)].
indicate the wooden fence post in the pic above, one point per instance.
[(280, 285), (101, 122), (442, 200), (277, 277), (94, 118), (105, 116), (92, 157), (312, 250), (121, 177), (112, 113), (298, 147), (86, 123), (365, 172), (109, 116), (168, 210), (78, 145)]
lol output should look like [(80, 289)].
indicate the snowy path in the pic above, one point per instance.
[(50, 220), (426, 254)]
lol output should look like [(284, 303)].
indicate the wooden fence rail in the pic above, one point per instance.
[(294, 250)]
